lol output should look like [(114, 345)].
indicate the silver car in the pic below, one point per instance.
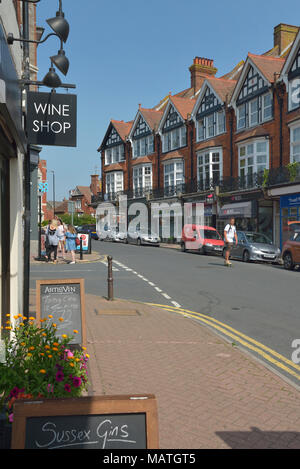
[(139, 238), (255, 247)]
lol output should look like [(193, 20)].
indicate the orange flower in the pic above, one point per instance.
[(61, 319), (75, 331), (43, 372), (50, 316)]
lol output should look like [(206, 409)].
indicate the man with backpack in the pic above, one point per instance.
[(229, 236), (52, 241)]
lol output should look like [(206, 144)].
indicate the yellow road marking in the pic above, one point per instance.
[(213, 323)]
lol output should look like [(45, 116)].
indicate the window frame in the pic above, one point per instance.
[(216, 117), (254, 164), (136, 169), (175, 172), (112, 176), (293, 143), (203, 154), (168, 139)]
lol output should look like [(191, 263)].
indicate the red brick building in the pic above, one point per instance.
[(232, 142)]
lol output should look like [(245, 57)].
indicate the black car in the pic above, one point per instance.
[(90, 229)]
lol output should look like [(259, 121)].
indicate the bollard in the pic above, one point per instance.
[(81, 252), (110, 280)]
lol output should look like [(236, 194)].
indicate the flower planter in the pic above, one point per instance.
[(5, 432)]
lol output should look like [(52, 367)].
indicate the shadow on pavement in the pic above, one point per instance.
[(258, 439)]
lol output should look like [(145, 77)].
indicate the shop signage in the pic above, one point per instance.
[(241, 210), (63, 299), (86, 242), (109, 422), (292, 200), (52, 119)]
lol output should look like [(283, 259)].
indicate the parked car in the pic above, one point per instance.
[(106, 235), (91, 229), (291, 251), (204, 239), (255, 247), (119, 236), (139, 237)]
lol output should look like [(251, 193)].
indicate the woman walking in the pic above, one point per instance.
[(71, 236)]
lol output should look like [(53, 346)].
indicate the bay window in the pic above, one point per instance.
[(173, 174), (114, 182), (295, 144), (142, 179), (209, 167), (253, 158)]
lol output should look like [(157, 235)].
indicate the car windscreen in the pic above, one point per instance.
[(211, 234), (258, 238)]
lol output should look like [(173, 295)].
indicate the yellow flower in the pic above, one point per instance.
[(50, 356), (19, 315), (16, 317), (72, 365), (87, 355), (50, 316), (75, 331), (43, 372), (47, 346), (77, 360), (54, 325), (61, 319), (64, 336), (8, 315), (31, 348), (22, 324), (23, 344), (44, 335), (7, 322), (31, 318), (8, 328), (83, 348), (29, 355), (24, 318)]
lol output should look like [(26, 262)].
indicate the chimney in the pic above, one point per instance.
[(200, 70), (95, 187), (284, 35)]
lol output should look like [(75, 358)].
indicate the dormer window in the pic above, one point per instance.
[(210, 117), (174, 132), (142, 139), (294, 84), (114, 148), (255, 101)]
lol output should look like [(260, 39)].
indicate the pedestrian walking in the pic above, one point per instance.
[(51, 242), (61, 237), (71, 236), (230, 237)]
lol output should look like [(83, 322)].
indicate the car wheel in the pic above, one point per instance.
[(288, 261), (183, 248), (246, 256), (139, 243), (203, 251)]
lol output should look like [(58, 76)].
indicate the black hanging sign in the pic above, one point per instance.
[(52, 119)]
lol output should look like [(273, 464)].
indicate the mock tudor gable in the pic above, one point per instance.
[(290, 75)]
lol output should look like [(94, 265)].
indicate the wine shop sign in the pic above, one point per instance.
[(51, 119)]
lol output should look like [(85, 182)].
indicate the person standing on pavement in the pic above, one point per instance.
[(71, 236), (61, 237), (52, 242), (230, 237)]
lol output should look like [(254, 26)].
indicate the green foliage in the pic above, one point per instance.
[(40, 364), (266, 178), (293, 170), (78, 221)]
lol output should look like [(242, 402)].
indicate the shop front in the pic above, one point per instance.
[(250, 215), (289, 216)]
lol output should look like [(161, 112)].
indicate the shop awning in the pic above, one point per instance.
[(240, 210)]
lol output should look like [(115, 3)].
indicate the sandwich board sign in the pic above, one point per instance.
[(106, 422), (63, 299), (51, 119)]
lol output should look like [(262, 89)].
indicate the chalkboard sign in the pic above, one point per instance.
[(108, 422), (63, 299)]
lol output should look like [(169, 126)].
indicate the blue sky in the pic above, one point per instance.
[(123, 53)]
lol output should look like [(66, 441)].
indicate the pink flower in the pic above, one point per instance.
[(59, 376), (67, 388), (11, 418), (76, 382), (50, 388), (68, 354)]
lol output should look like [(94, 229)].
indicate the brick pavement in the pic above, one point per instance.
[(209, 393)]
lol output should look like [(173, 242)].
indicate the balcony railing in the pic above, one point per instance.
[(262, 179)]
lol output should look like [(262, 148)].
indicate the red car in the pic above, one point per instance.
[(203, 239)]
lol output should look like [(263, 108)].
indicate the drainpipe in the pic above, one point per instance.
[(231, 141), (280, 93)]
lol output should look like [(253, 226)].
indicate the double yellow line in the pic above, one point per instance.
[(267, 353)]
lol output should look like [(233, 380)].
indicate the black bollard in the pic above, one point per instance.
[(110, 280), (81, 252)]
